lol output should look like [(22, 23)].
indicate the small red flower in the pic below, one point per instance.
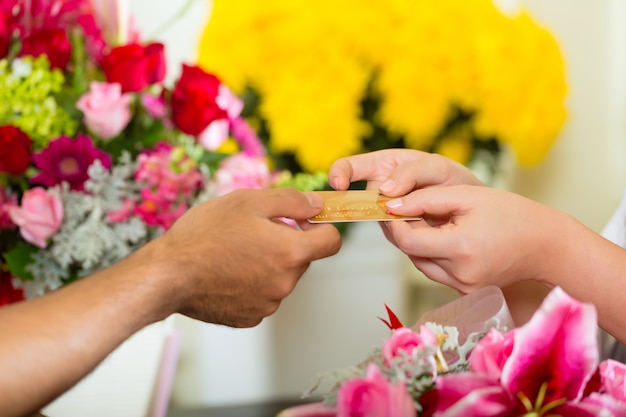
[(134, 66), (52, 43), (394, 322), (8, 293), (15, 150), (5, 34)]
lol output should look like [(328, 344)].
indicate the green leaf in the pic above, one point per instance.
[(18, 258), (212, 159)]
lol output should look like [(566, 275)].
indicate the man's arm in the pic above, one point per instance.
[(229, 261)]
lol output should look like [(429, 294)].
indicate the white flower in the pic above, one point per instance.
[(21, 68)]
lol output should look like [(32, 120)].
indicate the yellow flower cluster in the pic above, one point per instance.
[(445, 73)]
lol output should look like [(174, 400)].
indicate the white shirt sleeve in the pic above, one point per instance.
[(615, 231)]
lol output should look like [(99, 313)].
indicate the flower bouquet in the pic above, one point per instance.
[(97, 154), (328, 79), (547, 367)]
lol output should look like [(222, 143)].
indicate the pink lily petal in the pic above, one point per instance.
[(227, 100), (113, 18), (604, 403), (214, 135), (558, 346), (596, 405), (466, 393)]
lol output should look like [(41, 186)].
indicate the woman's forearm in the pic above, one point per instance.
[(591, 269)]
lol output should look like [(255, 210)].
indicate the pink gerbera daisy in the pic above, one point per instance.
[(67, 159)]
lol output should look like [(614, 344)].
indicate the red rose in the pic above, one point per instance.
[(14, 150), (53, 43), (193, 100), (134, 66), (8, 293), (5, 34)]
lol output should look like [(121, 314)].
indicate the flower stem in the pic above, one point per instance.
[(169, 22)]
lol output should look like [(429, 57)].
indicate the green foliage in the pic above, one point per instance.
[(18, 258), (29, 97)]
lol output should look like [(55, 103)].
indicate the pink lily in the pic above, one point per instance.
[(539, 369), (113, 18)]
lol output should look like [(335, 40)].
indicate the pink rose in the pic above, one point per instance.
[(613, 374), (39, 217), (105, 108), (406, 340), (374, 396), (492, 352), (242, 171)]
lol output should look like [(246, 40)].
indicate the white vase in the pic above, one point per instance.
[(135, 380)]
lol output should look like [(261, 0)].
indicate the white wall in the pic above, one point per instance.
[(330, 321), (585, 173), (181, 38)]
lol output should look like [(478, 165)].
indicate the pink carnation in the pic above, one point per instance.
[(171, 177), (242, 171), (156, 211), (169, 171), (125, 212), (246, 136)]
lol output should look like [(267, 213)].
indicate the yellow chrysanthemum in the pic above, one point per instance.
[(456, 147), (430, 64), (229, 147)]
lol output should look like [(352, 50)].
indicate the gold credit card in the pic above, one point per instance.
[(354, 206)]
